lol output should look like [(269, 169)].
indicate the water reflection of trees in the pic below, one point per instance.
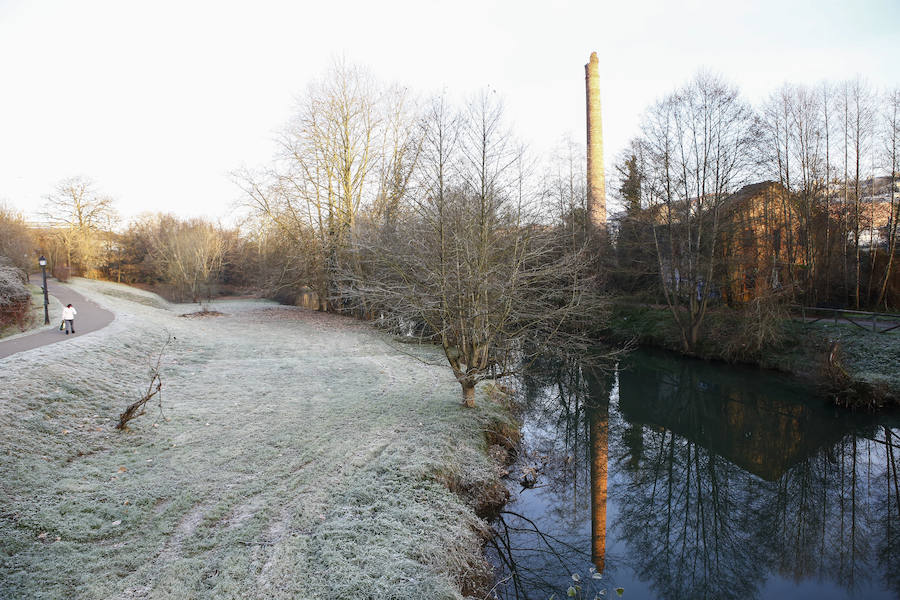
[(560, 400), (701, 527), (681, 508), (566, 445), (889, 549), (739, 480), (835, 515), (719, 483)]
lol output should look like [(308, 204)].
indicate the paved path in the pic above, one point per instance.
[(90, 318)]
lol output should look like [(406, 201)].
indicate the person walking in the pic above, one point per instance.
[(68, 315)]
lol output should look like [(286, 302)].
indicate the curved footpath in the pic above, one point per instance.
[(90, 318)]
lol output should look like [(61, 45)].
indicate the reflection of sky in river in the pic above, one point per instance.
[(722, 483)]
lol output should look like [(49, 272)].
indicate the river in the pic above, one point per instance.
[(675, 478)]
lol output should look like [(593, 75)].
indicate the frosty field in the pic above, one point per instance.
[(298, 455)]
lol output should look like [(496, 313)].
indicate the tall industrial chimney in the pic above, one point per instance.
[(596, 179)]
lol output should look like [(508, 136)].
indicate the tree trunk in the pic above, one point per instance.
[(468, 393), (694, 336)]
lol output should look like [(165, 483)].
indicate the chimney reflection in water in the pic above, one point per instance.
[(598, 415)]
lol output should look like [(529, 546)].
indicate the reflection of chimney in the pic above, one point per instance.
[(596, 179), (599, 423)]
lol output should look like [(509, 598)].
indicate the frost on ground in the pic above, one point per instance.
[(298, 456)]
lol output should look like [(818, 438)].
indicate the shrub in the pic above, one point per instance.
[(758, 328), (16, 243), (15, 299), (62, 273)]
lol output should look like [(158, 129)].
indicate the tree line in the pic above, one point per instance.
[(795, 201), (430, 217), (427, 217), (186, 260)]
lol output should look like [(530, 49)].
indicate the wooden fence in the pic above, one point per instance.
[(870, 321)]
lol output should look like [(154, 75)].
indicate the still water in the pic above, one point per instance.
[(675, 478)]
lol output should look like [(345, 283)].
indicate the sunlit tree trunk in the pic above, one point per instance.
[(826, 204), (861, 128), (893, 137)]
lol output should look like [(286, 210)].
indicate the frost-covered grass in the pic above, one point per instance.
[(298, 455), (870, 359)]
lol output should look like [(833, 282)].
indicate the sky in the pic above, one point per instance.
[(159, 102)]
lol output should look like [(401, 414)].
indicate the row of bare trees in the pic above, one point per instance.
[(827, 145), (796, 200), (431, 217), (428, 218), (185, 259)]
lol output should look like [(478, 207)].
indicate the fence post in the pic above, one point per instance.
[(874, 328), (835, 316)]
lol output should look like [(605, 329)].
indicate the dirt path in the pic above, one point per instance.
[(90, 318)]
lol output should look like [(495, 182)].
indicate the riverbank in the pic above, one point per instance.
[(857, 368), (295, 454)]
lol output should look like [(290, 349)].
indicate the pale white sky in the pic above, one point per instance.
[(159, 101)]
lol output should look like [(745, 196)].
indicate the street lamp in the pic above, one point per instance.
[(43, 262)]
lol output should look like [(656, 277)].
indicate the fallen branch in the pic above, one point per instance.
[(154, 389)]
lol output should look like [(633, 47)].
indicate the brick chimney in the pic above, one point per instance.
[(596, 178)]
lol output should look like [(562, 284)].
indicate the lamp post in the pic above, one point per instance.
[(43, 262)]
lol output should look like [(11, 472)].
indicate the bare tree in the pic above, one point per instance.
[(795, 146), (696, 147), (352, 145), (401, 145), (778, 120), (859, 114), (188, 255), (195, 256), (892, 140), (565, 186), (78, 214), (16, 243), (826, 104), (472, 265)]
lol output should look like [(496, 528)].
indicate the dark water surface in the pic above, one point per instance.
[(675, 478)]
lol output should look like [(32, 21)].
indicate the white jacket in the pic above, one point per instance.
[(69, 313)]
